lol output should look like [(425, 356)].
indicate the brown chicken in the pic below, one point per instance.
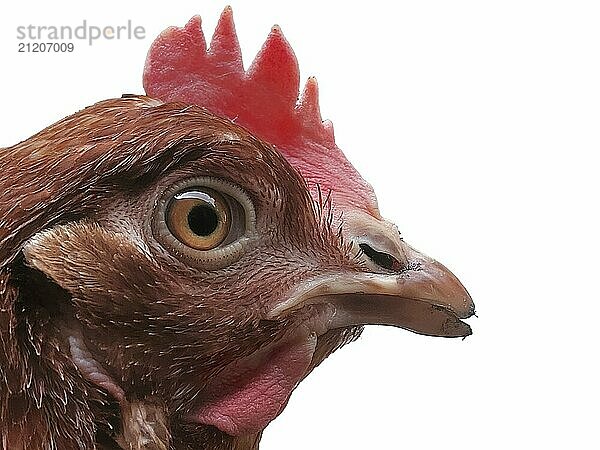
[(166, 279)]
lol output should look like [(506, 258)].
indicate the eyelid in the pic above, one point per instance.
[(205, 259)]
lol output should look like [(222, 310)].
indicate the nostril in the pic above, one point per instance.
[(382, 259)]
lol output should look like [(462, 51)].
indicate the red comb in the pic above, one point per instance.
[(263, 99)]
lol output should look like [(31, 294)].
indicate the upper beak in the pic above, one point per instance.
[(425, 298)]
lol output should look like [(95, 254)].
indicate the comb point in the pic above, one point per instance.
[(176, 50), (275, 67), (308, 109), (193, 30), (328, 127), (224, 46)]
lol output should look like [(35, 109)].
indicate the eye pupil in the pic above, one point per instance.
[(203, 220)]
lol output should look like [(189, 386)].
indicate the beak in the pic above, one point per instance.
[(425, 297)]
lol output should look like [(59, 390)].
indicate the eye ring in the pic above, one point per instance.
[(235, 235)]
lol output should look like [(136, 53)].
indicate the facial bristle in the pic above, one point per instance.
[(263, 99)]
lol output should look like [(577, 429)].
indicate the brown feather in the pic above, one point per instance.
[(66, 263)]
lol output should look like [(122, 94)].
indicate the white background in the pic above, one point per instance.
[(477, 123)]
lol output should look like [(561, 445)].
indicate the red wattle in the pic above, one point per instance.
[(245, 399)]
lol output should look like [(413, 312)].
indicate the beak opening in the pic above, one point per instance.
[(416, 315)]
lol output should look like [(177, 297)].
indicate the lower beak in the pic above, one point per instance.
[(426, 299)]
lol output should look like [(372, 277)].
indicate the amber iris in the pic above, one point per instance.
[(200, 218)]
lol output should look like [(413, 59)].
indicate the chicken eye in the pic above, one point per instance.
[(199, 218), (204, 221)]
